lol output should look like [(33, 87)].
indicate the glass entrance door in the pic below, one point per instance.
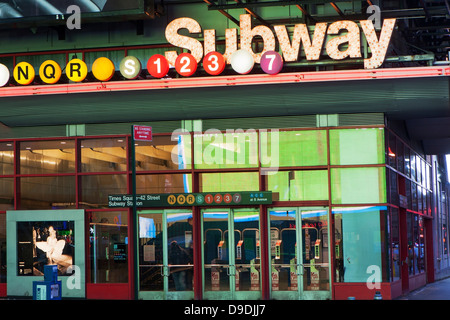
[(165, 254), (231, 254), (299, 253)]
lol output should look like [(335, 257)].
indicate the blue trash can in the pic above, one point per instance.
[(51, 273), (50, 288), (47, 290)]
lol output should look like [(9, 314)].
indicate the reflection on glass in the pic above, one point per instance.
[(6, 158), (229, 181), (163, 183), (6, 194), (247, 250), (312, 266), (315, 250), (293, 148), (358, 242), (216, 251), (358, 185), (108, 251), (283, 250), (180, 251), (150, 252), (357, 146), (395, 246), (305, 185), (96, 188), (164, 153), (40, 157), (104, 155), (420, 243), (56, 192), (214, 150)]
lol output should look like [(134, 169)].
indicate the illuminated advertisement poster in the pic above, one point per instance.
[(10, 9), (41, 243)]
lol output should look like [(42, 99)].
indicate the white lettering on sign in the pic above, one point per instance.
[(290, 48), (142, 133)]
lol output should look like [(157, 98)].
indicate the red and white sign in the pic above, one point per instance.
[(214, 63), (142, 133), (186, 65), (158, 66)]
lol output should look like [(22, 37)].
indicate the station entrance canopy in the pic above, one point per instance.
[(419, 96)]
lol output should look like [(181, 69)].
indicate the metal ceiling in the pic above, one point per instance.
[(423, 103), (424, 24)]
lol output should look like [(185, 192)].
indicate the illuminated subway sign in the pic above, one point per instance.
[(289, 48), (213, 62)]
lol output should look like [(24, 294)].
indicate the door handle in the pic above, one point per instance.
[(231, 270), (164, 271), (302, 267)]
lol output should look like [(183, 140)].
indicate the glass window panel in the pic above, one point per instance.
[(47, 192), (229, 181), (298, 185), (393, 187), (293, 148), (424, 173), (247, 259), (163, 183), (108, 250), (401, 156), (392, 150), (410, 237), (413, 158), (41, 157), (2, 248), (407, 162), (151, 252), (164, 153), (180, 251), (283, 241), (419, 170), (95, 189), (414, 196), (237, 149), (6, 194), (6, 158), (395, 238), (357, 146), (358, 242), (408, 192), (420, 245), (104, 155), (315, 259), (216, 251), (358, 185)]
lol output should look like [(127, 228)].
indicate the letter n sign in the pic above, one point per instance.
[(142, 133)]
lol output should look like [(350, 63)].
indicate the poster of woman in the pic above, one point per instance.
[(45, 243)]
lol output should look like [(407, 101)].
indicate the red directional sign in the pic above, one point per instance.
[(142, 133)]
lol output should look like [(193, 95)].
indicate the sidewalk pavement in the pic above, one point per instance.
[(438, 290)]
